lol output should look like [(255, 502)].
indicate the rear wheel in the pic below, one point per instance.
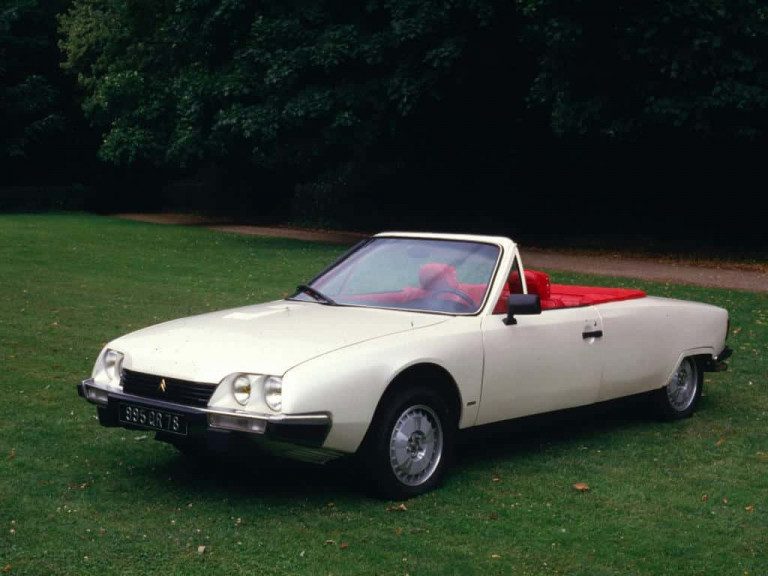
[(410, 443), (678, 399)]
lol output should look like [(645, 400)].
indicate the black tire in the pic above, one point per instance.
[(395, 411), (677, 400)]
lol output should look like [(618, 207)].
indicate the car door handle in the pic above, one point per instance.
[(592, 334)]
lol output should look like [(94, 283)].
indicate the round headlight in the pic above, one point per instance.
[(113, 362), (273, 393), (241, 389)]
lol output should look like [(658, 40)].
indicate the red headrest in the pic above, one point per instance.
[(513, 282), (538, 283), (435, 275)]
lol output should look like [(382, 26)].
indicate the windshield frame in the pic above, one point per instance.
[(360, 245)]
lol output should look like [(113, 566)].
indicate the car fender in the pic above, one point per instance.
[(348, 383)]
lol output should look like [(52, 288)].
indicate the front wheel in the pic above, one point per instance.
[(678, 399), (410, 444)]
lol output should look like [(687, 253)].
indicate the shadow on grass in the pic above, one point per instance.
[(259, 474), (529, 434), (256, 474)]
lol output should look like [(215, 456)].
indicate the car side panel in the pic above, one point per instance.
[(644, 339), (540, 364), (349, 382)]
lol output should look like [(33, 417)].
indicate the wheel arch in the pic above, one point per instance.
[(699, 355), (428, 374), (433, 375)]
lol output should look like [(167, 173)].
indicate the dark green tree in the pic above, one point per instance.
[(274, 83), (409, 102), (624, 69), (293, 82), (31, 103)]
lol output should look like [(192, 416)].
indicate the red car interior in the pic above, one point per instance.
[(437, 277)]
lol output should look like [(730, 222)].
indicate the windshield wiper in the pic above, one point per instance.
[(316, 294)]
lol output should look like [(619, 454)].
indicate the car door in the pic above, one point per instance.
[(544, 362)]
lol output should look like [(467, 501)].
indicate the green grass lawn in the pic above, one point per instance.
[(684, 498)]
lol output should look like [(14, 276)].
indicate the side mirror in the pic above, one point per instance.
[(522, 304)]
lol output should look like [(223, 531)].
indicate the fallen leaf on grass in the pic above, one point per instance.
[(750, 508), (720, 442), (581, 487), (343, 546), (704, 497), (201, 549), (330, 541), (725, 499), (7, 568), (495, 556), (399, 508)]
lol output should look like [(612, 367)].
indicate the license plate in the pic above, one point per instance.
[(153, 419)]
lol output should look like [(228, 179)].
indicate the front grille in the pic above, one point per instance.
[(179, 391)]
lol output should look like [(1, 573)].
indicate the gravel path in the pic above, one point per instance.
[(721, 276), (648, 269)]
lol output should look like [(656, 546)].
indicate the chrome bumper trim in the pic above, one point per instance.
[(275, 418), (230, 419)]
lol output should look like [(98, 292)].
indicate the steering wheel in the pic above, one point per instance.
[(466, 298)]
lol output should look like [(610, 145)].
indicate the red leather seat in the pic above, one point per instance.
[(436, 275), (538, 283)]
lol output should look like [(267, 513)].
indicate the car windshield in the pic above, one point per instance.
[(429, 275)]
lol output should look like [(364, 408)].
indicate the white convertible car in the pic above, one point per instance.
[(404, 340)]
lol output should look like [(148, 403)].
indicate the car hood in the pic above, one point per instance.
[(266, 338)]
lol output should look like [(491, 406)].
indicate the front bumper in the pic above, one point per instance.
[(303, 430)]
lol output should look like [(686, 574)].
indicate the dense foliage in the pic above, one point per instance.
[(276, 82), (31, 107), (178, 80), (622, 68), (344, 112)]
